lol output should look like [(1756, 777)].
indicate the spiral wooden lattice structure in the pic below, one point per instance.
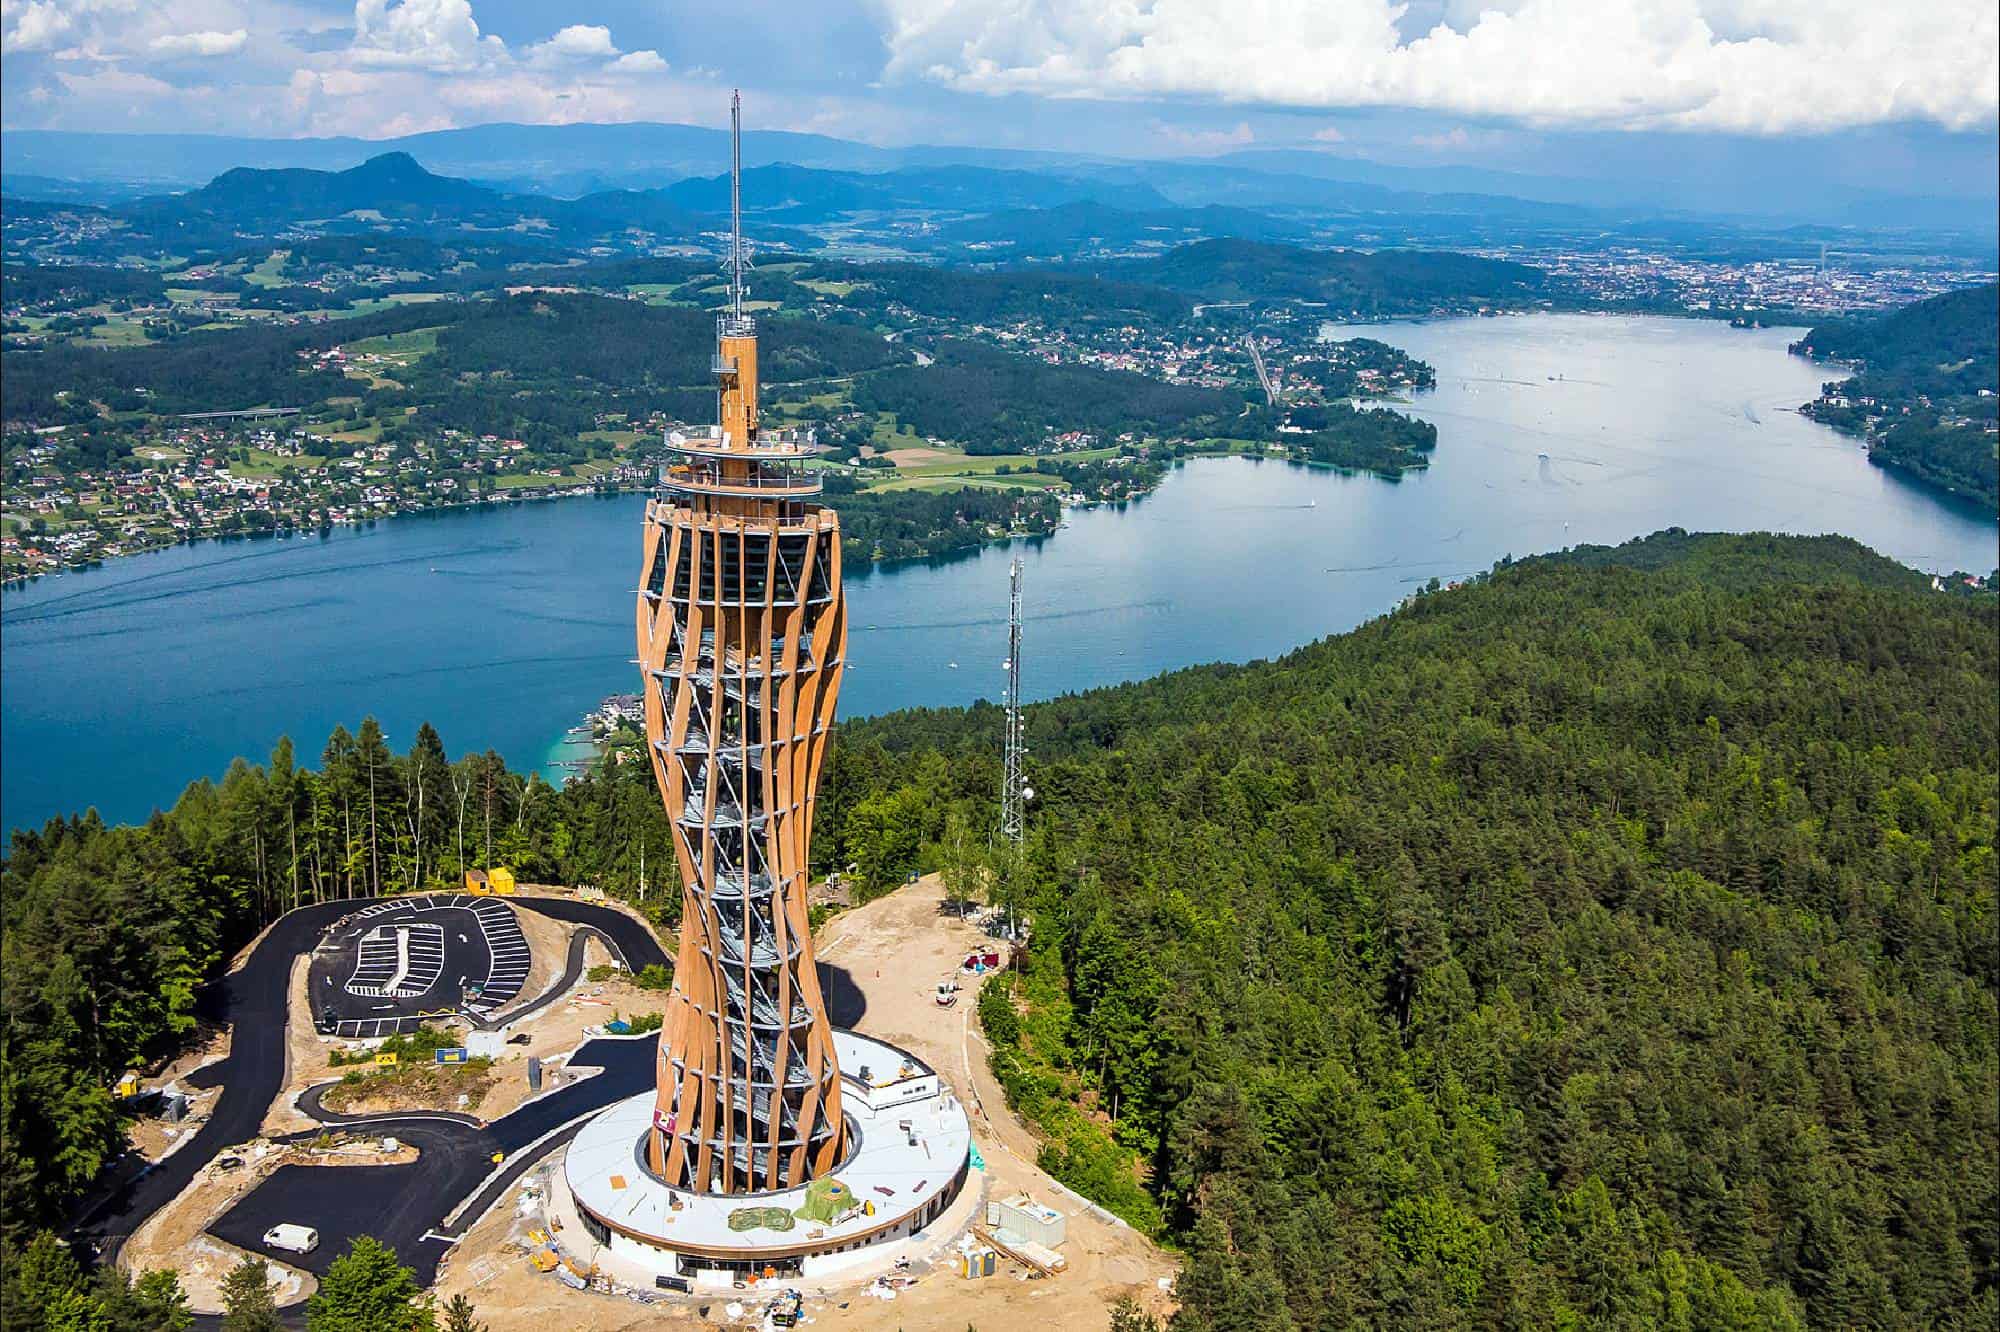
[(742, 632)]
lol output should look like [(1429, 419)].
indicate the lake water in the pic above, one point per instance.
[(504, 626)]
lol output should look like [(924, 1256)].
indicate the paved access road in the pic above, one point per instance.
[(405, 1206)]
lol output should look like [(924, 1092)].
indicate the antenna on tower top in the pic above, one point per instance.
[(736, 203)]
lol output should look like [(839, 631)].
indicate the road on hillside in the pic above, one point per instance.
[(398, 1204)]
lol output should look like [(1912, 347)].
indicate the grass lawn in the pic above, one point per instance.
[(960, 480), (626, 437), (390, 302), (348, 432), (403, 347), (267, 464), (271, 272), (116, 333), (394, 350), (519, 480), (826, 287), (195, 295)]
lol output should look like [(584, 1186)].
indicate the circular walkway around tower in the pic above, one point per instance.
[(910, 1166)]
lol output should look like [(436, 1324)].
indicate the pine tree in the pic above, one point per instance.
[(246, 1298), (459, 1315), (367, 1290)]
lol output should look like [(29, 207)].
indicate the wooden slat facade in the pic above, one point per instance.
[(742, 633)]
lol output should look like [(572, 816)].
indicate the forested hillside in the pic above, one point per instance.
[(1608, 943), (1589, 947), (82, 1000), (1923, 392), (993, 401), (1349, 281)]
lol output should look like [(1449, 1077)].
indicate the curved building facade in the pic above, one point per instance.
[(742, 630)]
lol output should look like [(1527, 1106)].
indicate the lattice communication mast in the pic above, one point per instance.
[(1013, 788)]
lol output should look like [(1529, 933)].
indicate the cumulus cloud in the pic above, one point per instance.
[(638, 62), (437, 35), (579, 41), (34, 25), (1755, 66), (199, 43)]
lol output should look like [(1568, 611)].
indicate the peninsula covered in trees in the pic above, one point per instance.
[(1923, 393)]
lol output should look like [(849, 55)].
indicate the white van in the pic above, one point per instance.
[(293, 1239)]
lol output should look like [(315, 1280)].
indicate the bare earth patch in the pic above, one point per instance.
[(895, 949)]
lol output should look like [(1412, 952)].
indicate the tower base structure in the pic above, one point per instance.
[(908, 1158)]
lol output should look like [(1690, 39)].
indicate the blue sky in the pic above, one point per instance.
[(1861, 91)]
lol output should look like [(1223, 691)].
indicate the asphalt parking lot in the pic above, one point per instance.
[(390, 964)]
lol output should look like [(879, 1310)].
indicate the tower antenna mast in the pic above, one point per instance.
[(1012, 792), (736, 204)]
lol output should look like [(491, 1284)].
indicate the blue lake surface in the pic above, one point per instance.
[(503, 626)]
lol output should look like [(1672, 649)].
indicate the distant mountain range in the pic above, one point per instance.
[(1067, 230), (575, 161), (1034, 214)]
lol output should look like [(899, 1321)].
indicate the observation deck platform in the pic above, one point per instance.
[(909, 1160)]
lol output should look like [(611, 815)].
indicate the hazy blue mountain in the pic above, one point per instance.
[(1085, 226), (605, 153), (806, 194), (392, 195), (392, 184), (49, 189)]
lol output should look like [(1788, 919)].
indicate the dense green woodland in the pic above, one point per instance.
[(1923, 392), (1609, 943), (1379, 282), (80, 1002), (1589, 947), (993, 401)]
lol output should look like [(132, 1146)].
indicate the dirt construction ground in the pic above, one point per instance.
[(896, 949)]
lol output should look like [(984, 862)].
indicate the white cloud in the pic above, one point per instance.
[(423, 34), (1756, 66), (579, 41), (1331, 134), (1454, 138), (638, 62), (34, 25), (199, 43)]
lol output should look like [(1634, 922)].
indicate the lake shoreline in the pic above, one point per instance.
[(503, 625)]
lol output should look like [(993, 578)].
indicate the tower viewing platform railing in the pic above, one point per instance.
[(776, 483), (778, 444)]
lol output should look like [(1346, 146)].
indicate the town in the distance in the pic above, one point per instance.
[(1136, 669)]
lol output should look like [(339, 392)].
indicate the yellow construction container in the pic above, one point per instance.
[(128, 1087), (501, 880), (475, 882)]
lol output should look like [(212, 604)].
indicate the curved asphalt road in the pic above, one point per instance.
[(405, 1206), (399, 1204)]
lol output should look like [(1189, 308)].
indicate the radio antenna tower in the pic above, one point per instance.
[(1013, 794), (736, 205)]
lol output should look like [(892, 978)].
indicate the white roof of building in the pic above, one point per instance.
[(899, 1172)]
